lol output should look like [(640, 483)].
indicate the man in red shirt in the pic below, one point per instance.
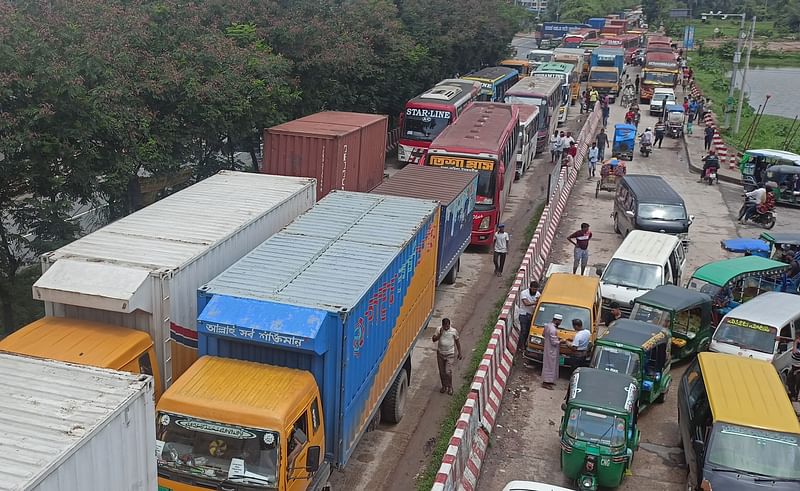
[(573, 149), (580, 240)]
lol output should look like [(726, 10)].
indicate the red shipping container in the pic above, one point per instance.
[(341, 150)]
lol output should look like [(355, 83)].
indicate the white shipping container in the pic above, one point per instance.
[(66, 427), (143, 271)]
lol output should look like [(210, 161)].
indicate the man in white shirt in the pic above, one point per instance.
[(500, 249), (527, 302), (580, 343), (594, 155), (447, 346)]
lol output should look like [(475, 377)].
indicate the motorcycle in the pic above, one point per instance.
[(645, 148), (765, 220), (711, 175)]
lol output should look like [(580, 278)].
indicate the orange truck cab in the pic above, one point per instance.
[(86, 343)]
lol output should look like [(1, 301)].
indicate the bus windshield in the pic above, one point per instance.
[(760, 453), (746, 335), (419, 125), (631, 274), (216, 451), (664, 78)]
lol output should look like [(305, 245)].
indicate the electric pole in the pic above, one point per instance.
[(736, 57), (744, 77)]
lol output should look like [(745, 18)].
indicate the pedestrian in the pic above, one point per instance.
[(709, 136), (693, 106), (659, 129), (567, 160), (527, 300), (606, 111), (570, 140), (580, 344), (689, 122), (572, 151), (563, 143), (701, 111), (500, 249), (580, 240), (793, 378), (593, 97), (555, 147), (636, 82), (586, 100), (593, 152), (602, 143), (552, 343), (612, 314), (685, 104), (448, 347), (583, 99), (691, 74)]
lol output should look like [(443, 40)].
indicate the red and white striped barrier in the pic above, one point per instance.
[(461, 464), (717, 143)]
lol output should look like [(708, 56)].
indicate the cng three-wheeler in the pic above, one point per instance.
[(640, 350), (598, 430)]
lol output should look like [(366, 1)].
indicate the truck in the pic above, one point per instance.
[(597, 22), (341, 150), (142, 272), (559, 29), (606, 71), (306, 343), (455, 190), (72, 428), (576, 57)]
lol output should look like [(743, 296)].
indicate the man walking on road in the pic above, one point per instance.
[(527, 300), (580, 240), (660, 129), (605, 114), (447, 345), (709, 136), (552, 343), (602, 143), (555, 147), (500, 249), (593, 96), (592, 159), (636, 82)]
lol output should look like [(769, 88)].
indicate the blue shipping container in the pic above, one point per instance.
[(597, 22), (558, 29), (342, 292), (455, 191)]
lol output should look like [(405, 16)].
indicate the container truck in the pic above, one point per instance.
[(606, 71), (455, 190), (74, 428), (341, 150), (597, 22), (306, 342), (143, 271)]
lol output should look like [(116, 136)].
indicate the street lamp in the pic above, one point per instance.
[(737, 56)]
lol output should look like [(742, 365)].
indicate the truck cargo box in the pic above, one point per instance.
[(455, 191), (342, 292), (143, 271), (74, 428), (341, 150)]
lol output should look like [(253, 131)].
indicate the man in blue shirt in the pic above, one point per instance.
[(580, 344)]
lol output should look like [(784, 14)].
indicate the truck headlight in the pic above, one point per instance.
[(484, 225), (536, 340)]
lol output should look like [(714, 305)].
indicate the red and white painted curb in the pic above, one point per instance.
[(461, 464), (722, 150)]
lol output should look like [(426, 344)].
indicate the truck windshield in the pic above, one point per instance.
[(760, 453), (216, 451), (664, 78), (589, 426), (746, 335), (547, 310), (597, 76), (419, 125), (615, 360), (631, 274)]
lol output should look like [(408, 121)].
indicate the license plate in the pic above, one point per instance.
[(561, 360)]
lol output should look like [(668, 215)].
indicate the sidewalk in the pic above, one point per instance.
[(696, 151)]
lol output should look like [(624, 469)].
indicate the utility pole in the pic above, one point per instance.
[(744, 77), (736, 57)]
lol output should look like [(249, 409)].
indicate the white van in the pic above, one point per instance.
[(761, 328), (662, 96), (642, 262)]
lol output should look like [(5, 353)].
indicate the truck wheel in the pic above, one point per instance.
[(394, 404), (451, 276)]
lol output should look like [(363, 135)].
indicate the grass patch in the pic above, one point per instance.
[(448, 425), (728, 29), (24, 307), (531, 228)]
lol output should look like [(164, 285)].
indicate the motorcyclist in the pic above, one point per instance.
[(753, 200), (711, 161), (647, 137), (630, 116)]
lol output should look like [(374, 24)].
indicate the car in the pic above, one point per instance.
[(532, 486), (660, 95)]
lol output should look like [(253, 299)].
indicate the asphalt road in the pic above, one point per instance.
[(525, 443)]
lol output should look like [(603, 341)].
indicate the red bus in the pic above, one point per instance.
[(629, 42), (483, 139), (428, 114), (575, 38)]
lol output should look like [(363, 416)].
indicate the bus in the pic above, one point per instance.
[(426, 115), (524, 67), (570, 84), (659, 44), (526, 148), (628, 42), (660, 70), (575, 38), (494, 80), (545, 93), (737, 425), (483, 139)]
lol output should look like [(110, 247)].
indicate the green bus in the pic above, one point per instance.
[(570, 83)]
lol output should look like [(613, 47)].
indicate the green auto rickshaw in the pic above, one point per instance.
[(686, 313), (641, 350), (598, 430), (731, 282)]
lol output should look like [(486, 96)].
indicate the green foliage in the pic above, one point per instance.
[(580, 10)]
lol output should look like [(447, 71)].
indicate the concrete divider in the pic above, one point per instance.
[(461, 464)]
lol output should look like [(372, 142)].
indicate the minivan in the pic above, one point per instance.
[(645, 202), (761, 328), (642, 262)]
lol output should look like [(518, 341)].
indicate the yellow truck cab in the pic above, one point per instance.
[(86, 343), (221, 424)]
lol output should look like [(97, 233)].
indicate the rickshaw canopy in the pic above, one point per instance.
[(780, 238), (636, 334), (789, 157), (624, 132), (602, 389), (722, 272), (674, 298), (755, 247), (674, 108), (789, 170)]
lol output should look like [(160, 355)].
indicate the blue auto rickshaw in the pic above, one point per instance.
[(673, 119), (624, 141)]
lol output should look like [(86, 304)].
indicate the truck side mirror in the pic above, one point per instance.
[(312, 459)]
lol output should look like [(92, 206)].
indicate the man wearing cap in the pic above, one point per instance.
[(552, 345), (500, 249)]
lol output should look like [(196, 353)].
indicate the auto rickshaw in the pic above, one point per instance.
[(772, 245), (731, 282), (787, 183), (686, 313), (599, 431), (754, 163), (624, 141), (641, 350), (674, 118)]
